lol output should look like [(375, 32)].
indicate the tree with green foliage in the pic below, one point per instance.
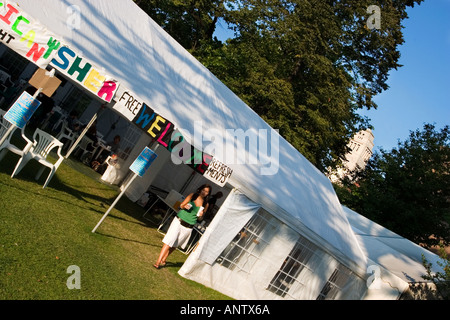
[(305, 66), (190, 22), (407, 189), (440, 279)]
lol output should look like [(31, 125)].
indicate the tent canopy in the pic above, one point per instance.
[(117, 36), (390, 250)]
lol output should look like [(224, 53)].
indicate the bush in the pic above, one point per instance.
[(440, 279)]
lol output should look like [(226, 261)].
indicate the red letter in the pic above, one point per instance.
[(8, 14), (163, 134), (205, 164), (108, 88), (36, 52)]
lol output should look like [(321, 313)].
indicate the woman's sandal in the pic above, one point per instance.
[(161, 265)]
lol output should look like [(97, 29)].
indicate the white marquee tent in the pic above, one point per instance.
[(278, 186), (399, 260)]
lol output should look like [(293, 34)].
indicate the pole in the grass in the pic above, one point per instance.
[(139, 167)]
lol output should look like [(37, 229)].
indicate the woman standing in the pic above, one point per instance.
[(180, 229)]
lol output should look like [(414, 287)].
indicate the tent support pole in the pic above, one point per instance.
[(94, 117)]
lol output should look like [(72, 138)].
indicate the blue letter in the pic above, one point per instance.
[(145, 116), (65, 61)]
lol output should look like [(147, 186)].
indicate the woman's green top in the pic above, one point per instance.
[(189, 216)]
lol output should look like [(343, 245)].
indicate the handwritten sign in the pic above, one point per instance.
[(22, 110), (218, 172), (143, 161), (154, 124), (30, 39), (127, 103), (182, 152)]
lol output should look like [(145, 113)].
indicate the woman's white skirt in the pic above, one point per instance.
[(177, 236)]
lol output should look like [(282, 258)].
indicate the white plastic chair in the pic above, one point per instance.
[(59, 123), (66, 133), (4, 125), (83, 146), (38, 150), (7, 145)]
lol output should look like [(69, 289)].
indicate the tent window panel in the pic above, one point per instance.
[(338, 279), (292, 266), (246, 247)]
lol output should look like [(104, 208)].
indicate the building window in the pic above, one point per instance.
[(295, 262), (245, 249), (338, 279), (128, 141), (76, 100)]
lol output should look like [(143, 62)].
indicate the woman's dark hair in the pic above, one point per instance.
[(197, 193)]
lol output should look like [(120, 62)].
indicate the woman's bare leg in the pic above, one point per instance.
[(163, 261), (165, 252)]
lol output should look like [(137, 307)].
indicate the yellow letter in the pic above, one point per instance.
[(30, 37), (155, 125), (94, 81)]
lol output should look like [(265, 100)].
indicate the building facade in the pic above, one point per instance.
[(361, 146)]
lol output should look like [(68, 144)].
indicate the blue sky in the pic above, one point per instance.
[(419, 91)]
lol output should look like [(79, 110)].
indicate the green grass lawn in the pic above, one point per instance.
[(44, 231)]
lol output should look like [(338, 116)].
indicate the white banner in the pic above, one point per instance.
[(84, 73), (127, 103), (32, 40), (24, 35)]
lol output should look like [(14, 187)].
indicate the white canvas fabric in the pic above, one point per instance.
[(239, 209), (385, 248), (121, 39)]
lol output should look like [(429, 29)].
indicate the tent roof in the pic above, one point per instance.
[(118, 36), (390, 250)]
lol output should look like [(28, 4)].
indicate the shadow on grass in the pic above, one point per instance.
[(177, 265), (73, 188), (28, 173), (128, 240), (71, 179)]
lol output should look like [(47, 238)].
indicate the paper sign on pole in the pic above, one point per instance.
[(43, 79), (22, 110), (143, 161)]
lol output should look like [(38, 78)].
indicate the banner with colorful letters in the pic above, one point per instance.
[(130, 106), (33, 41)]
